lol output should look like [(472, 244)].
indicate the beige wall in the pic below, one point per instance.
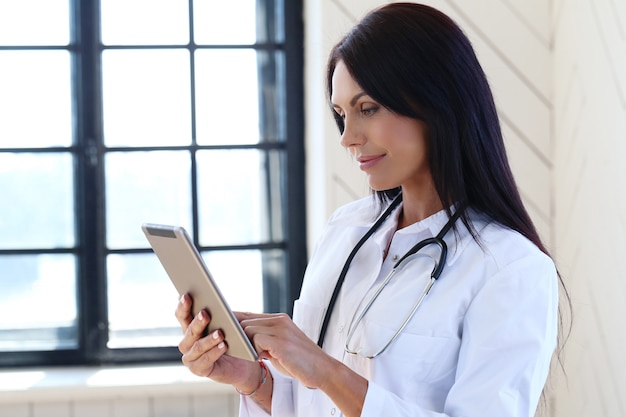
[(589, 78), (558, 72)]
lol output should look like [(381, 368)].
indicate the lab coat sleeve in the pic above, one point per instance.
[(282, 399), (509, 336)]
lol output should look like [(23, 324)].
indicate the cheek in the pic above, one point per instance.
[(406, 139), (410, 149)]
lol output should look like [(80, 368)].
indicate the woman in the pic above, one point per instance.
[(414, 109)]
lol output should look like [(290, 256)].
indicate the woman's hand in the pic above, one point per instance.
[(204, 355), (277, 338)]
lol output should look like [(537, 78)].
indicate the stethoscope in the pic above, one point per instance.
[(436, 272)]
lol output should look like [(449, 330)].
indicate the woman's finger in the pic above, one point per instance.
[(277, 338), (183, 311), (195, 330), (201, 357)]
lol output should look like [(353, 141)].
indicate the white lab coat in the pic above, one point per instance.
[(479, 345)]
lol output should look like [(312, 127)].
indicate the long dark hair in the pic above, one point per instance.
[(417, 62)]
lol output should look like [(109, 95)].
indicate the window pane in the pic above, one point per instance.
[(142, 298), (146, 97), (239, 275), (141, 303), (244, 216), (35, 99), (227, 97), (276, 281), (37, 209), (34, 22), (145, 187), (224, 22), (145, 22), (37, 302)]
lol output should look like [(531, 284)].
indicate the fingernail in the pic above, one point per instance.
[(182, 299), (216, 334), (221, 345), (200, 316)]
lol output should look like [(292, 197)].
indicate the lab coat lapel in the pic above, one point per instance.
[(365, 267)]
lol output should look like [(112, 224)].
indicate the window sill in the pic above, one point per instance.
[(62, 384)]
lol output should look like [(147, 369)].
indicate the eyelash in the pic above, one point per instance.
[(369, 111)]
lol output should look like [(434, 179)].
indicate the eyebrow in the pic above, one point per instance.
[(354, 99)]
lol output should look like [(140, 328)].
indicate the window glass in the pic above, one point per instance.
[(115, 113), (145, 187), (37, 302), (37, 209), (146, 97), (140, 302), (141, 295), (35, 99), (34, 22), (239, 274), (225, 22), (243, 217), (227, 97), (145, 22)]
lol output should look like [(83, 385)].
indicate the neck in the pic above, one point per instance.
[(417, 208)]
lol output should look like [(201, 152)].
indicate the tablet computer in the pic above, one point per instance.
[(189, 274)]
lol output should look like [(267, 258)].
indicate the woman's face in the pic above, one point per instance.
[(391, 149)]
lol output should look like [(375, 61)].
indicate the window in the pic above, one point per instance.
[(118, 112)]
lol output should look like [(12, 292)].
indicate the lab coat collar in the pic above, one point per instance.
[(432, 225), (361, 214)]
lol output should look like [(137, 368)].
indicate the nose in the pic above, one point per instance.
[(352, 135)]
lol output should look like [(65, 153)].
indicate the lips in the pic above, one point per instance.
[(366, 162)]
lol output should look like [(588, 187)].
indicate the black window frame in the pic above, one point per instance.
[(88, 151)]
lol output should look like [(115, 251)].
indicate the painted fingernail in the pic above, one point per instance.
[(216, 334)]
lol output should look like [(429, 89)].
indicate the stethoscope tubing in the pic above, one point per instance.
[(438, 240), (346, 266), (406, 321)]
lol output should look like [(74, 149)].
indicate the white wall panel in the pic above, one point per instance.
[(171, 406), (590, 190), (510, 38), (536, 15), (131, 407), (53, 409), (15, 410), (92, 408), (212, 405), (612, 29)]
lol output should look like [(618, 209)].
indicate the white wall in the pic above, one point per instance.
[(126, 391), (589, 76)]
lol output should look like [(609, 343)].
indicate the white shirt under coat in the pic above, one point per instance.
[(479, 345)]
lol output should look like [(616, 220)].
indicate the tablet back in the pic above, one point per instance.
[(189, 274)]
